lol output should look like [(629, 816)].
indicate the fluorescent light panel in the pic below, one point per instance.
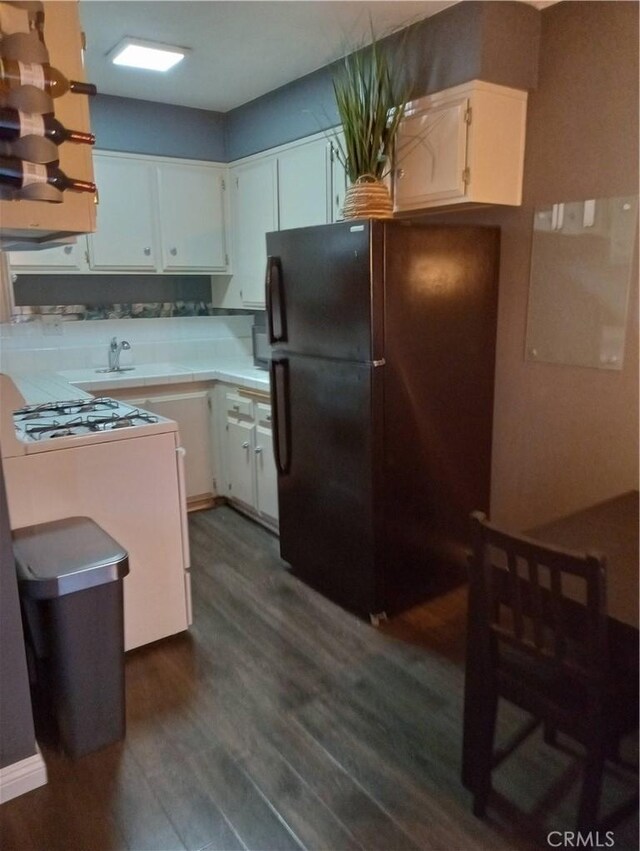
[(135, 53)]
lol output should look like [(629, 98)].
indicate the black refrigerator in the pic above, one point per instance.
[(382, 374)]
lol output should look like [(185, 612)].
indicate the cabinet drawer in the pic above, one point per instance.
[(263, 412), (237, 406)]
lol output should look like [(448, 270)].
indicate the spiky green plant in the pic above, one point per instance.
[(371, 108)]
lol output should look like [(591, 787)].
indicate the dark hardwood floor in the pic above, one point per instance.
[(281, 722)]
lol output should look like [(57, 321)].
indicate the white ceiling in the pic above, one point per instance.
[(239, 49)]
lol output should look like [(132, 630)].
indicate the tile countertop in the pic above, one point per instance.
[(240, 371), (40, 387)]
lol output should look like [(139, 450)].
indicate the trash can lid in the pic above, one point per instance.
[(65, 556)]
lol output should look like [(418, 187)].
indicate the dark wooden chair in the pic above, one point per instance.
[(529, 643)]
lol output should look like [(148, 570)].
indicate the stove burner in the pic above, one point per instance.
[(78, 418), (53, 429), (143, 415), (78, 406)]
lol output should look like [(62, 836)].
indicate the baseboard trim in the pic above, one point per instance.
[(201, 502), (21, 777)]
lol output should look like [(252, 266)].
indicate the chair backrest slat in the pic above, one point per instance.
[(560, 644), (542, 617), (516, 597), (536, 604)]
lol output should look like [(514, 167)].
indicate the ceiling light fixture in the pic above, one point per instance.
[(135, 53)]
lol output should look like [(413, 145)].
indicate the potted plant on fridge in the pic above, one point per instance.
[(371, 107)]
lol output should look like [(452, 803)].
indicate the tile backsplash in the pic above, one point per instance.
[(51, 344)]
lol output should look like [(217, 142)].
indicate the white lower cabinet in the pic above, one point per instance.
[(239, 457), (266, 474), (226, 434), (246, 450), (191, 411)]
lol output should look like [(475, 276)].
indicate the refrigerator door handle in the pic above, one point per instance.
[(280, 415), (275, 301)]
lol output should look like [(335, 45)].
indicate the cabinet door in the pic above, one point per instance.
[(191, 412), (303, 185), (255, 213), (266, 474), (239, 456), (66, 258), (431, 155), (125, 238), (192, 223), (339, 182)]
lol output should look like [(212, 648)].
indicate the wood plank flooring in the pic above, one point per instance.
[(281, 722)]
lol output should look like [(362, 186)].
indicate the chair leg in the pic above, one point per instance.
[(591, 789), (484, 754)]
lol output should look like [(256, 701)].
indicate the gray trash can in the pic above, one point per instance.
[(70, 576)]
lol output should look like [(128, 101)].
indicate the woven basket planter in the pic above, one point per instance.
[(367, 198)]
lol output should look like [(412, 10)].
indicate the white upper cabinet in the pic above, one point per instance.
[(302, 185), (192, 217), (158, 216), (432, 153), (287, 188), (126, 235), (339, 181), (464, 145), (63, 258), (255, 213)]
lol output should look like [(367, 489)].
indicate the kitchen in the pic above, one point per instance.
[(553, 452)]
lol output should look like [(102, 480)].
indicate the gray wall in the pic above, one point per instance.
[(494, 41), (143, 127), (565, 436), (17, 738)]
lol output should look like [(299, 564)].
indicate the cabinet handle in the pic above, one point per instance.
[(68, 249), (245, 445), (236, 407), (147, 252), (400, 173), (173, 252), (258, 450)]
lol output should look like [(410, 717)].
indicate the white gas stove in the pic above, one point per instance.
[(56, 425), (124, 468)]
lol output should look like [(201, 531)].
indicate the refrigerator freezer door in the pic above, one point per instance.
[(326, 440), (324, 291)]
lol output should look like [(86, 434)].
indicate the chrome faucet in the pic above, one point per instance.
[(115, 348)]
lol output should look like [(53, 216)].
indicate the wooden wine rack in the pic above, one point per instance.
[(23, 221)]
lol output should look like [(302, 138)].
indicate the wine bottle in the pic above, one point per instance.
[(14, 73), (15, 124), (20, 173)]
